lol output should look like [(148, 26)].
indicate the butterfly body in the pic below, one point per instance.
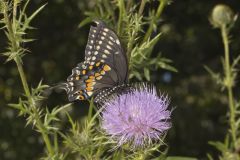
[(104, 70)]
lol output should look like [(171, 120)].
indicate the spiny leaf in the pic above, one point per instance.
[(216, 76), (147, 74), (84, 22), (36, 12), (219, 145)]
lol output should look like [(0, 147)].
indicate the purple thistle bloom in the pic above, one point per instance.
[(137, 117)]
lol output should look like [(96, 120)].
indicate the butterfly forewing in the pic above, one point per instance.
[(105, 64)]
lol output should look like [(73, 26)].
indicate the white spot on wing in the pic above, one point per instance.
[(111, 38), (93, 58), (109, 47), (77, 72), (106, 30), (117, 41), (104, 56), (106, 51)]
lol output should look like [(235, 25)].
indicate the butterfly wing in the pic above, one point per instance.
[(105, 64)]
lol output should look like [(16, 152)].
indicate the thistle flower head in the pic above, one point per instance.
[(138, 117)]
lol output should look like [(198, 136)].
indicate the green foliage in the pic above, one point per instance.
[(16, 28), (140, 59), (224, 149), (223, 18)]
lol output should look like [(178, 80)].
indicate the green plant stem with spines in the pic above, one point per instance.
[(31, 102), (229, 85), (122, 12), (142, 6), (14, 48), (161, 6)]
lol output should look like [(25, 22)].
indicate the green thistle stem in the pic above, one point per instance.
[(14, 48), (229, 85), (121, 15), (90, 111), (142, 5), (129, 4), (39, 125), (154, 19), (23, 77)]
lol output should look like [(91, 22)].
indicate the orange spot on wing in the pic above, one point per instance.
[(90, 67), (102, 72), (83, 71), (106, 67), (89, 80), (89, 84), (91, 77), (81, 97), (97, 74), (99, 77), (89, 88), (98, 64), (77, 78)]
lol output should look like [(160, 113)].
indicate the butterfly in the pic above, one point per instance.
[(104, 69)]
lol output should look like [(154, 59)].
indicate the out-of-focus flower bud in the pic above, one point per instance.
[(222, 16)]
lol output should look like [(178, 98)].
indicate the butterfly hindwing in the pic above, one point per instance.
[(105, 64)]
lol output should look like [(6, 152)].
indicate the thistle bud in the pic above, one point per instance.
[(222, 15)]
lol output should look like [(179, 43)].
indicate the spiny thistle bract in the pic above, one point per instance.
[(138, 117)]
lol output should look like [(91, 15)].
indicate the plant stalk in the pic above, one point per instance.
[(154, 19), (90, 111), (121, 15), (142, 5), (15, 47), (229, 85), (31, 102)]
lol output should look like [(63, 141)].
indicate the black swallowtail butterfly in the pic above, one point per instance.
[(104, 70)]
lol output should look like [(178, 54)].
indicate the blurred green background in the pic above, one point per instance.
[(188, 39)]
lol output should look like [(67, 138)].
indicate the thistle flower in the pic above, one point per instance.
[(138, 117)]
